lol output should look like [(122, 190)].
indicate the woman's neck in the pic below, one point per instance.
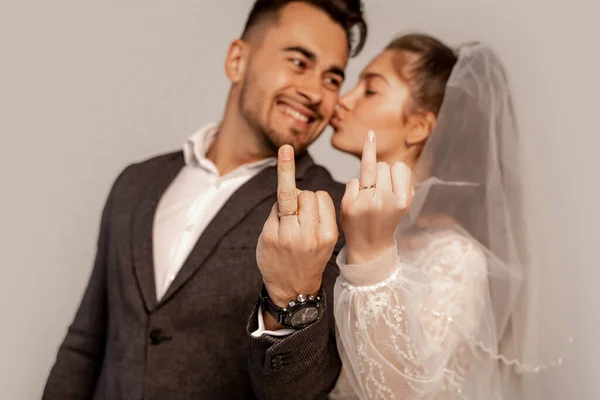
[(408, 157)]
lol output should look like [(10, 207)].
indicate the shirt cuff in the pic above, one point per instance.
[(262, 331), (369, 273)]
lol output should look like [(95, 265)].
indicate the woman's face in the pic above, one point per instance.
[(376, 103)]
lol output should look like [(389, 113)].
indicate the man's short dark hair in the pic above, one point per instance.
[(347, 13)]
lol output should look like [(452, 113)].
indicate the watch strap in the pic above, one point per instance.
[(283, 314)]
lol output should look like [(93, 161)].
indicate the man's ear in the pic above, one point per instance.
[(236, 61), (420, 126)]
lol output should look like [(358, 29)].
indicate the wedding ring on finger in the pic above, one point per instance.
[(367, 187), (287, 213)]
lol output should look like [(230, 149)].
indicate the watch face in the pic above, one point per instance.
[(304, 316)]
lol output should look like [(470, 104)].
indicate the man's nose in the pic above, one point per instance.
[(310, 87)]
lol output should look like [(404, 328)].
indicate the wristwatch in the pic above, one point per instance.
[(299, 313)]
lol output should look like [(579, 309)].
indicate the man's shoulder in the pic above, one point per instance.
[(157, 160), (139, 173), (151, 164)]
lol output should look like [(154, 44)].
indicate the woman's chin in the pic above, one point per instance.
[(338, 143)]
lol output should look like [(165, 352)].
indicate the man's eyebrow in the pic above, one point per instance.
[(312, 57), (338, 71), (302, 50)]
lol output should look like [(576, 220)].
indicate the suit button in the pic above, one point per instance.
[(157, 336), (277, 362)]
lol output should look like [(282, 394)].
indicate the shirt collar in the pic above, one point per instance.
[(196, 146)]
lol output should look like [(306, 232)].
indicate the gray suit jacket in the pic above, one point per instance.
[(195, 342)]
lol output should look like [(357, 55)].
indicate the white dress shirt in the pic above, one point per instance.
[(191, 202)]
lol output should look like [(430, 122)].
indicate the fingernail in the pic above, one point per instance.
[(370, 136), (287, 152)]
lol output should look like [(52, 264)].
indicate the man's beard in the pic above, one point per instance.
[(270, 140), (274, 140)]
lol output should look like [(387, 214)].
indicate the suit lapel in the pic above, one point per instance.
[(143, 223), (242, 202)]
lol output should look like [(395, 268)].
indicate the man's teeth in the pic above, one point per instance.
[(296, 114)]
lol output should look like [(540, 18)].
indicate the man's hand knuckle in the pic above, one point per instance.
[(287, 195)]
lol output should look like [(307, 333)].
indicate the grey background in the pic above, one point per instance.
[(86, 88)]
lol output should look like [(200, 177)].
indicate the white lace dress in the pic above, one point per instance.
[(408, 322)]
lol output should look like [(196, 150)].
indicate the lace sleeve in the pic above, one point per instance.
[(405, 336)]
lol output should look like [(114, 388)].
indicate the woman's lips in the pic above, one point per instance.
[(336, 121)]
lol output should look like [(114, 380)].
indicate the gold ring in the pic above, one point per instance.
[(287, 213), (367, 187)]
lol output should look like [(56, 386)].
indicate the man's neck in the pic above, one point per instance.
[(235, 146)]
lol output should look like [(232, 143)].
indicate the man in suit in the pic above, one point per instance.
[(171, 310)]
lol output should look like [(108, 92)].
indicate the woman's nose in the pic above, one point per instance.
[(345, 102)]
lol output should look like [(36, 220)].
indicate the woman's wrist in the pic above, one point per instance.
[(370, 272), (363, 254)]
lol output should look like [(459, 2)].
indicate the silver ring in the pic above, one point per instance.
[(367, 187), (287, 213)]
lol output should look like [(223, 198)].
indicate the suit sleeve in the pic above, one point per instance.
[(79, 359), (302, 365)]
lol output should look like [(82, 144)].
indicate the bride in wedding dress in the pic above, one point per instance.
[(437, 298)]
